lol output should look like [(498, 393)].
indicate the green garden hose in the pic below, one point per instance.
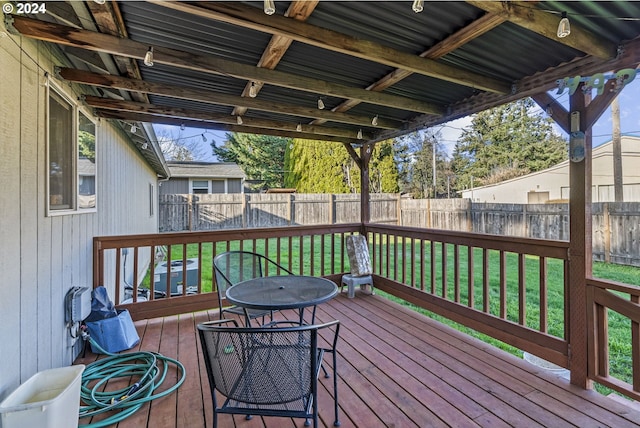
[(148, 369)]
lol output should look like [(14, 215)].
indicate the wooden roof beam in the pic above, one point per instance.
[(94, 41), (251, 17), (210, 97), (140, 117), (179, 113), (278, 46), (544, 23), (440, 49)]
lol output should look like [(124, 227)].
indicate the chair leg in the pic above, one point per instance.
[(336, 423)]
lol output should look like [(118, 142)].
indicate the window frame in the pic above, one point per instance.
[(76, 110)]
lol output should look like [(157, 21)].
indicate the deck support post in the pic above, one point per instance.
[(580, 242), (365, 156)]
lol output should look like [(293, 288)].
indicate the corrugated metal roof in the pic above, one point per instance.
[(506, 52)]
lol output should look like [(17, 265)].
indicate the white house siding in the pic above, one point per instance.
[(555, 180), (41, 257)]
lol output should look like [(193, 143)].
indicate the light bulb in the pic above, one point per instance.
[(144, 146), (564, 27), (134, 128), (182, 127), (148, 57), (549, 110), (320, 104), (374, 121), (269, 7), (299, 127), (253, 90), (99, 1), (418, 6), (204, 139), (359, 134), (239, 120)]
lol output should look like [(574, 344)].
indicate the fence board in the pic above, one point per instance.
[(616, 226)]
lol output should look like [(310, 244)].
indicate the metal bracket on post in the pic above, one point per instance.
[(576, 139)]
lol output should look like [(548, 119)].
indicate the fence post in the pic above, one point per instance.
[(428, 213), (525, 228), (245, 203), (190, 212), (332, 207), (398, 210), (606, 218), (469, 216)]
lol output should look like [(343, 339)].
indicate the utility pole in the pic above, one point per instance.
[(433, 165), (617, 151)]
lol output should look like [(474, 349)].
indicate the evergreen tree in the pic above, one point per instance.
[(261, 157), (325, 167), (506, 142)]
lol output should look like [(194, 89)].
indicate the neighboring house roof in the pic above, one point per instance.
[(86, 167), (205, 170)]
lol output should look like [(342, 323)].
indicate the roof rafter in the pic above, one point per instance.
[(141, 117), (546, 24), (253, 18), (178, 113), (94, 41), (210, 97), (440, 49), (278, 46)]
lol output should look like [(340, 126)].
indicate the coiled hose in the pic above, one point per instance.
[(150, 368)]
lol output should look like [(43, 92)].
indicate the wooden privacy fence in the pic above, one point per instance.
[(616, 226)]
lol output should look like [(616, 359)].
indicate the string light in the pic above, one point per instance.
[(239, 120), (144, 146), (564, 27), (549, 110), (320, 104), (359, 134), (299, 127), (134, 128), (374, 121), (148, 57), (182, 127), (418, 6), (269, 7), (100, 1), (253, 90), (204, 139)]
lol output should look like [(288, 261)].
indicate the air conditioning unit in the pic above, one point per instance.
[(176, 276)]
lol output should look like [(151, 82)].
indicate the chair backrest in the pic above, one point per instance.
[(358, 253), (260, 366), (233, 267)]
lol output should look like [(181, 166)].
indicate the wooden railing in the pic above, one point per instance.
[(308, 250), (620, 303), (496, 285), (512, 289)]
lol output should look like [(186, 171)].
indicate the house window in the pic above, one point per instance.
[(61, 153), (234, 185), (200, 186), (71, 162)]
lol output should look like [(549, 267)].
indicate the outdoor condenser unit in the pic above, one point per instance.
[(160, 277)]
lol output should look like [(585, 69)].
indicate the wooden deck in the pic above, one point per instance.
[(396, 368)]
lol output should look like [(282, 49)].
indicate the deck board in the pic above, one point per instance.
[(396, 368)]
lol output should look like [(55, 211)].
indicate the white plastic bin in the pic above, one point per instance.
[(49, 399)]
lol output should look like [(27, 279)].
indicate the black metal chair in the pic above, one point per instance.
[(267, 371), (233, 267)]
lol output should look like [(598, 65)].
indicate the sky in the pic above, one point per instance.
[(602, 130)]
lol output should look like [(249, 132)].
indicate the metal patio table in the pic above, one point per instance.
[(282, 292)]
